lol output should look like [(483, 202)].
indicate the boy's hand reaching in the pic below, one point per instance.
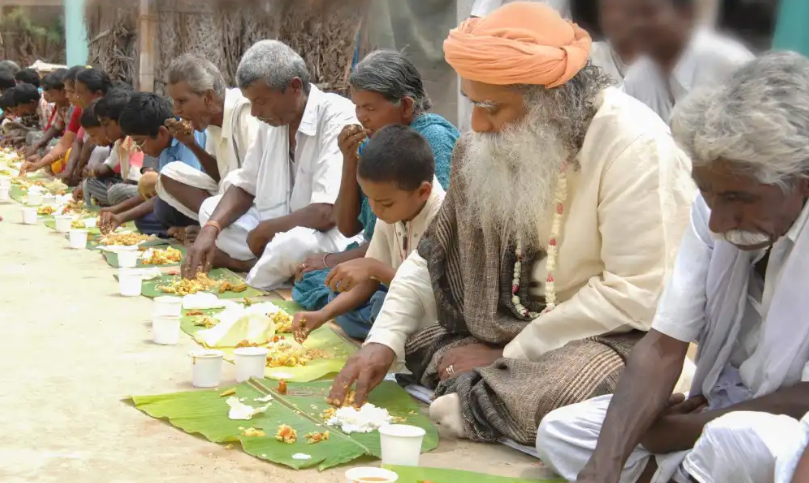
[(351, 273), (305, 322)]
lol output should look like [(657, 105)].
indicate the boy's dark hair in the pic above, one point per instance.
[(6, 80), (400, 154), (54, 80), (28, 76), (71, 73), (26, 94), (112, 105), (88, 117), (96, 80), (144, 114), (7, 99)]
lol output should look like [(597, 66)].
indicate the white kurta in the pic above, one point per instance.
[(282, 185), (228, 144), (732, 446), (627, 208), (602, 55), (709, 58)]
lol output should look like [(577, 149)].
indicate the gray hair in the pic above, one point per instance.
[(200, 74), (393, 76), (274, 63), (758, 120), (570, 107), (9, 66)]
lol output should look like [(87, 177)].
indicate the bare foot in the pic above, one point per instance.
[(191, 233), (177, 232), (446, 412)]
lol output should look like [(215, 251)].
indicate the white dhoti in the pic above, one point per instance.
[(185, 174), (281, 256), (740, 447)]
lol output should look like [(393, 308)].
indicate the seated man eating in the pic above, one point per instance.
[(547, 259), (749, 142), (278, 208)]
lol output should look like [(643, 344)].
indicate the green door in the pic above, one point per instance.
[(790, 31)]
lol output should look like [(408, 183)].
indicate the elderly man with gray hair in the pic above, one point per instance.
[(277, 209), (202, 99), (738, 289)]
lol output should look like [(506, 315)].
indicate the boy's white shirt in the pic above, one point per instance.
[(392, 243)]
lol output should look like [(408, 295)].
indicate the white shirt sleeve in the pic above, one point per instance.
[(328, 168), (114, 159), (637, 247), (681, 313), (408, 307), (246, 177), (379, 248), (246, 132)]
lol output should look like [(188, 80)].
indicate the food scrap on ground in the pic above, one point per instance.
[(314, 438), (282, 387), (254, 432), (240, 410), (286, 434)]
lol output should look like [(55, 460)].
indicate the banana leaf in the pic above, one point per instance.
[(112, 259), (151, 291), (324, 338), (17, 194), (206, 413), (409, 474)]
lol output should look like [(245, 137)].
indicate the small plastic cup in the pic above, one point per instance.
[(5, 182), (369, 475), (34, 199), (250, 362), (49, 200), (29, 216), (166, 330), (206, 367), (128, 258), (63, 223), (129, 282), (4, 193), (78, 239), (167, 307), (401, 444)]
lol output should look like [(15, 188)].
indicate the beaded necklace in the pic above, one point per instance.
[(559, 197)]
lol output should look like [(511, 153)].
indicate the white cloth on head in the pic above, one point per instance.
[(710, 300), (708, 58), (613, 257), (739, 447), (228, 144), (281, 186)]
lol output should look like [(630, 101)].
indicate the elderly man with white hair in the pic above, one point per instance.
[(739, 289), (201, 98), (545, 264), (278, 207)]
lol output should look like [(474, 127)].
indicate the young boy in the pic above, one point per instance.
[(100, 150), (143, 119), (25, 102), (53, 92), (115, 180), (396, 172)]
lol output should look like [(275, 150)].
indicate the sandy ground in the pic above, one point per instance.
[(74, 348)]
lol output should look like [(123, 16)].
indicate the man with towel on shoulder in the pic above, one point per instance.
[(566, 206), (739, 289)]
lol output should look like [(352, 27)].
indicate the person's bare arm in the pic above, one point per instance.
[(126, 205), (348, 301), (207, 161), (642, 394), (349, 201), (141, 209), (81, 150), (801, 474), (317, 216), (57, 152), (235, 203)]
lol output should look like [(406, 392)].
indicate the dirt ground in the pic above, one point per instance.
[(74, 348)]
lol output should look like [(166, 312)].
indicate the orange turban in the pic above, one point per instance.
[(519, 43)]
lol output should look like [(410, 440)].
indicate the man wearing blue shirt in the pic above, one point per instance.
[(143, 120)]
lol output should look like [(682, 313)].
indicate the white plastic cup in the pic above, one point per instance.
[(4, 193), (368, 474), (129, 282), (63, 223), (206, 367), (167, 306), (78, 239), (401, 444), (49, 200), (166, 330), (34, 198), (29, 216), (128, 258), (250, 362), (5, 182)]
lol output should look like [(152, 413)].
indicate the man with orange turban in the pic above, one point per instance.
[(544, 267)]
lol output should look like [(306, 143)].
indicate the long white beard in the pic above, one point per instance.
[(511, 177)]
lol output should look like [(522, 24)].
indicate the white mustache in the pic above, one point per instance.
[(742, 238)]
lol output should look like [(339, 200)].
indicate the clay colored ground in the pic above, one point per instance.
[(72, 349)]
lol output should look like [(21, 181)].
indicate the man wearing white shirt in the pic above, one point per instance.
[(200, 97), (277, 209), (679, 55)]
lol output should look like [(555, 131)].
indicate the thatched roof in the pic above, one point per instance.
[(322, 31)]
